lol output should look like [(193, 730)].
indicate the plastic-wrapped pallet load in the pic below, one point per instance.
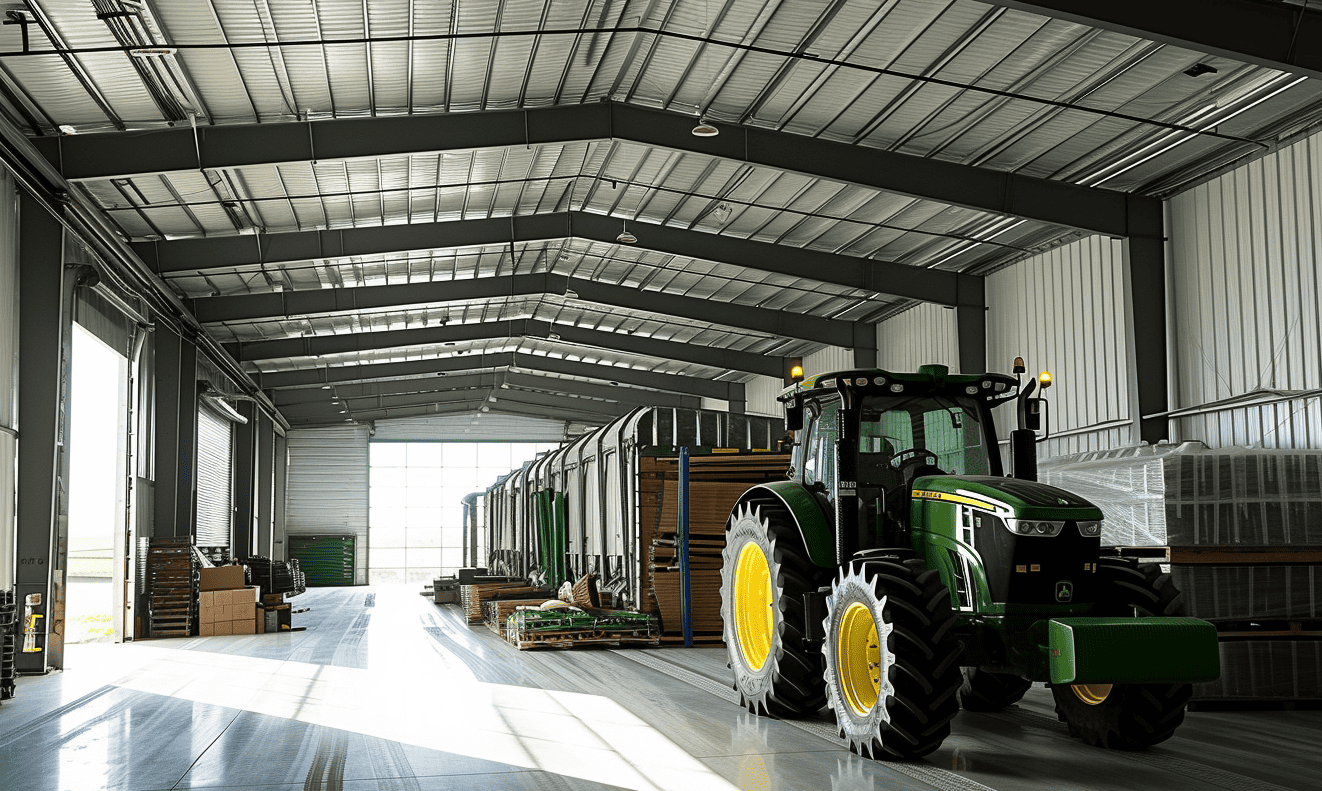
[(1190, 495), (1245, 530)]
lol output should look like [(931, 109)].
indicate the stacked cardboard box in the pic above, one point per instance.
[(231, 611), (273, 614)]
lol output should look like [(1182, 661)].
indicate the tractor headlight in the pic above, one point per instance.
[(1090, 529), (1034, 527)]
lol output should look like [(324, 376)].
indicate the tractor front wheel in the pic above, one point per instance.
[(892, 661), (1127, 716), (765, 573)]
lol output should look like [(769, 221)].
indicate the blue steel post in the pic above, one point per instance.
[(685, 596)]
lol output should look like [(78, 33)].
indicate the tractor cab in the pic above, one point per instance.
[(868, 435)]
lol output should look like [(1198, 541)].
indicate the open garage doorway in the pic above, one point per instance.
[(94, 604), (415, 526)]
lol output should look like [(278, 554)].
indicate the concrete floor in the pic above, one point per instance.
[(386, 691)]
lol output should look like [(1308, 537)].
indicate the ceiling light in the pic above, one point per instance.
[(325, 387), (553, 337), (486, 409), (625, 237), (157, 52), (68, 130), (705, 129), (571, 293), (344, 411)]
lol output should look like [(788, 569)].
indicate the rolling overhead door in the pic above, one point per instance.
[(215, 440), (325, 560)]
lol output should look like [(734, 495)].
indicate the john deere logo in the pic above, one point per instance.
[(1064, 590), (1062, 501)]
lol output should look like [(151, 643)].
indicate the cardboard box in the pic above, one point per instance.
[(206, 629), (243, 612), (259, 621), (244, 627), (223, 627), (206, 599), (207, 615), (222, 578), (225, 613), (244, 596)]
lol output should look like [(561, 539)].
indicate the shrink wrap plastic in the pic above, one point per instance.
[(1266, 669), (1250, 592), (1189, 495)]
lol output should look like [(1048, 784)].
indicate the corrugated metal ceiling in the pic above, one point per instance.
[(957, 81)]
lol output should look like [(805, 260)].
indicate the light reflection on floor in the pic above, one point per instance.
[(404, 696)]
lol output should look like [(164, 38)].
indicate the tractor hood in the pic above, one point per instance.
[(1007, 496)]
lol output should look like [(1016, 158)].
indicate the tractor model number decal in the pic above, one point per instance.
[(953, 498)]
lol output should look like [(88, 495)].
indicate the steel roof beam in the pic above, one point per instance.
[(288, 304), (882, 277), (716, 357), (1281, 36), (107, 155), (672, 383), (458, 408), (511, 399), (491, 379)]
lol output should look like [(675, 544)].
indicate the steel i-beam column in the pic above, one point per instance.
[(1145, 318), (281, 472), (865, 345), (243, 491), (176, 433), (43, 370), (265, 483), (971, 324)]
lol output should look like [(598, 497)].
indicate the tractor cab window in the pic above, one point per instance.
[(899, 432), (819, 444)]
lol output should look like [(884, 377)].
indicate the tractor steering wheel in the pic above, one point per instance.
[(908, 461)]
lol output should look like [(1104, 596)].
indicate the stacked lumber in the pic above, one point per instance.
[(716, 483), (570, 628), (172, 586), (471, 597), (496, 611)]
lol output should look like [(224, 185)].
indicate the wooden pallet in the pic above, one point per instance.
[(471, 597), (171, 586)]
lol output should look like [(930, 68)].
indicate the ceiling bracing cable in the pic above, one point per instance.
[(65, 51)]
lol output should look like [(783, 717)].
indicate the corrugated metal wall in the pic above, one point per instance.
[(925, 334), (761, 392), (1245, 255), (830, 358), (327, 486), (1063, 311), (470, 428)]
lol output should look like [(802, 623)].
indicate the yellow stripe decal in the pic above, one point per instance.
[(954, 498)]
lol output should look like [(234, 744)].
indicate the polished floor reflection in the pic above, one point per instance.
[(387, 691)]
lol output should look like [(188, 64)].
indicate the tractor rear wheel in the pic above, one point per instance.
[(892, 661), (984, 691), (764, 575), (1127, 716)]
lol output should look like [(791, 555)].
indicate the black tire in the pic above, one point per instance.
[(916, 674), (1129, 716), (985, 691), (787, 682)]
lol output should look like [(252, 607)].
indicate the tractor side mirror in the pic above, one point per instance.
[(1033, 413), (794, 415)]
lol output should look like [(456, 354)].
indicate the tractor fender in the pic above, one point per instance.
[(810, 517)]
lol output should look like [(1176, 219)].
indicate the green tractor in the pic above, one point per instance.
[(899, 574)]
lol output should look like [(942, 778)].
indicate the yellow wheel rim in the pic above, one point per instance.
[(754, 621), (858, 658), (1092, 694)]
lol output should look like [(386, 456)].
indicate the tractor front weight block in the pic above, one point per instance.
[(1132, 651)]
